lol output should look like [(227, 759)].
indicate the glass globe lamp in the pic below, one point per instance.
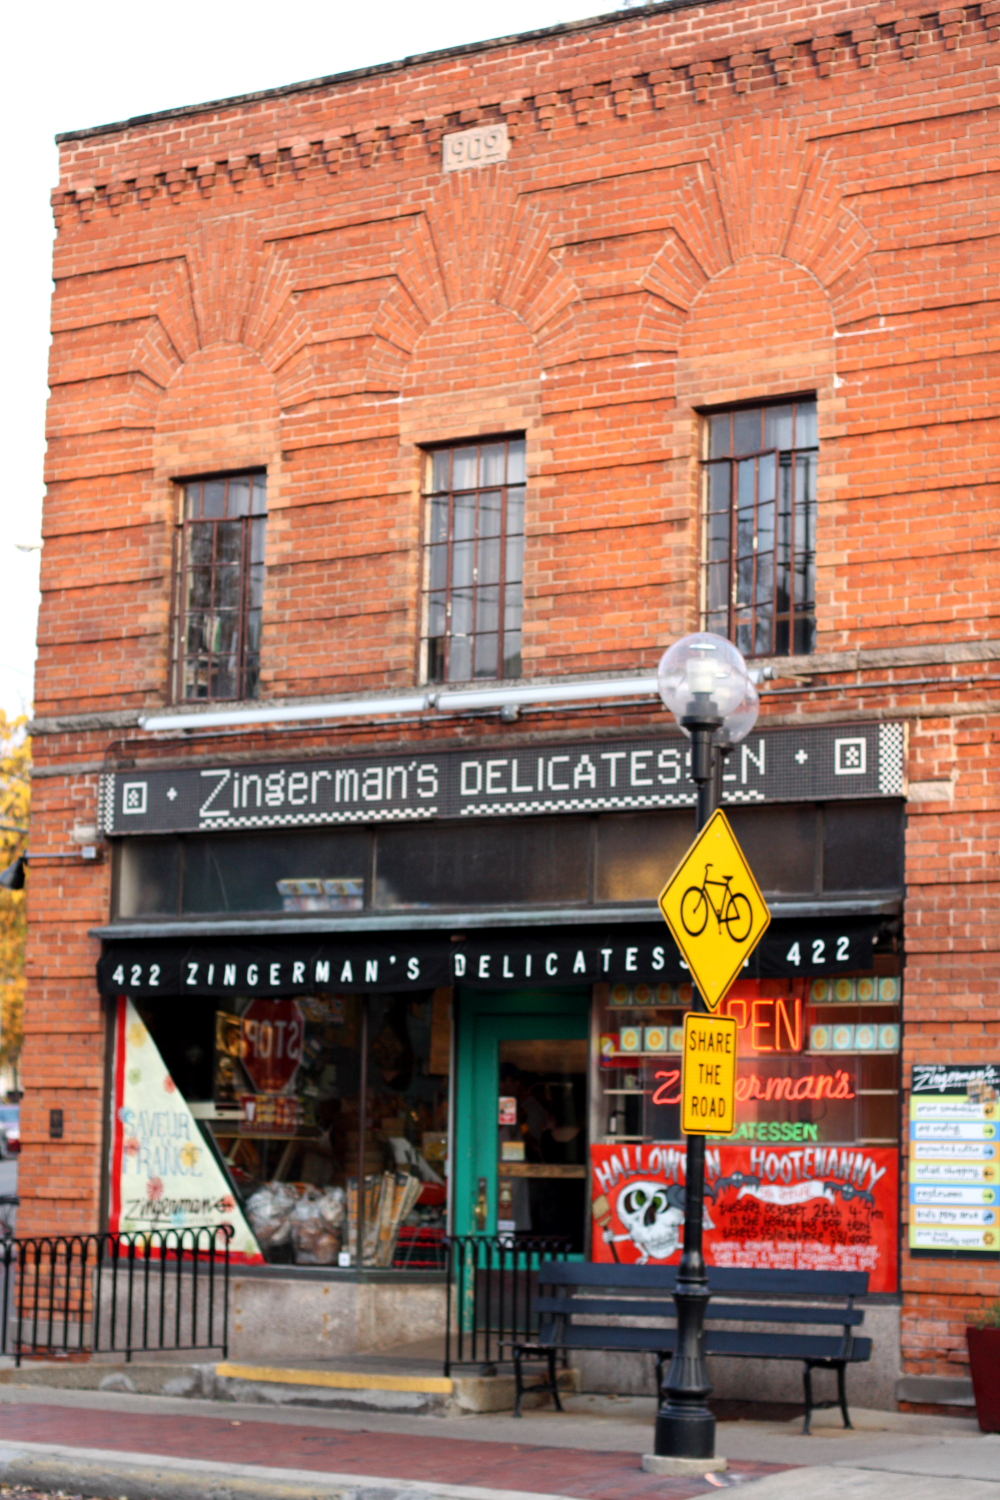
[(703, 680), (737, 725)]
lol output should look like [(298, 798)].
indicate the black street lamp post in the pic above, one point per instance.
[(704, 680)]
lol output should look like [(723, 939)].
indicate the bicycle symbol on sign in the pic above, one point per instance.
[(733, 910)]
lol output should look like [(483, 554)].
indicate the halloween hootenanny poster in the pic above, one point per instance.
[(805, 1208), (163, 1175)]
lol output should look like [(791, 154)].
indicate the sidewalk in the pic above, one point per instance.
[(155, 1448)]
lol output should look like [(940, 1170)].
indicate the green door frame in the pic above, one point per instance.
[(485, 1018)]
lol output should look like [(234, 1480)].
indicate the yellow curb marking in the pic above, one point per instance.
[(338, 1379)]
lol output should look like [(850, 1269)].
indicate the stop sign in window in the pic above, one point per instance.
[(273, 1031)]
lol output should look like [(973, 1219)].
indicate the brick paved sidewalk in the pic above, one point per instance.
[(584, 1475)]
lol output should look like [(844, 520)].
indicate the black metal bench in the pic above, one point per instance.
[(575, 1302)]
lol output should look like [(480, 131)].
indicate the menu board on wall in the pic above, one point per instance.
[(803, 1208), (954, 1159)]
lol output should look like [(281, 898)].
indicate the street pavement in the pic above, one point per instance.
[(113, 1444)]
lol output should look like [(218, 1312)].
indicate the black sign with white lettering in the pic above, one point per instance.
[(772, 765), (497, 960)]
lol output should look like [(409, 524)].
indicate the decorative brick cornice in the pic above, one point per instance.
[(702, 75)]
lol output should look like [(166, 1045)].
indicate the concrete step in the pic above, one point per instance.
[(416, 1393)]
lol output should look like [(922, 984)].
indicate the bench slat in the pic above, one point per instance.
[(784, 1346), (717, 1341), (598, 1306), (747, 1312), (720, 1278)]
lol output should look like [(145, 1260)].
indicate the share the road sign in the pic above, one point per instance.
[(708, 1084), (714, 909)]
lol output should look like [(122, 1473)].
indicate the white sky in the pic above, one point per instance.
[(71, 65)]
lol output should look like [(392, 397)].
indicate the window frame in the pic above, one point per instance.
[(789, 463), (181, 610), (429, 671)]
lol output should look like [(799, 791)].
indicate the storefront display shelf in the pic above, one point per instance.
[(635, 1093), (853, 1052), (266, 1135)]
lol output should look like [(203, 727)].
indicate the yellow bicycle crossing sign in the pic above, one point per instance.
[(714, 909)]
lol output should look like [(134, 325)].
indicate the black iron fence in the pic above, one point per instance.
[(152, 1290), (491, 1284)]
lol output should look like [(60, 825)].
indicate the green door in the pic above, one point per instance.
[(521, 1157)]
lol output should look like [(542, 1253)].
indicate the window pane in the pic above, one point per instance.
[(863, 846), (200, 544), (199, 589), (436, 614), (213, 499), (746, 482), (148, 877), (441, 470), (494, 463), (512, 607), (718, 435), (487, 655), (746, 431), (238, 498), (229, 542), (490, 509), (765, 577), (512, 653), (460, 659), (489, 561), (806, 431), (718, 487), (223, 678), (487, 608), (439, 520), (225, 872), (515, 558), (465, 467), (515, 512), (463, 561), (437, 571), (258, 541), (516, 461), (765, 476), (778, 426), (465, 517), (259, 494), (435, 661), (718, 586), (526, 861), (461, 612)]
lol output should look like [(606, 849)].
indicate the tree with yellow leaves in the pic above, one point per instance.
[(15, 806)]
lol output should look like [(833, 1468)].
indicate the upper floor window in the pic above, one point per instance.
[(760, 527), (473, 560), (220, 587)]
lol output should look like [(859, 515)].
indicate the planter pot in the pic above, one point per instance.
[(984, 1367)]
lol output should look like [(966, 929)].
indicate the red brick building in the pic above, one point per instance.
[(493, 372)]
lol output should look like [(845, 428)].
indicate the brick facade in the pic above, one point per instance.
[(706, 204)]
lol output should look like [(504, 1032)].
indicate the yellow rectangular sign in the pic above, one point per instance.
[(708, 1105)]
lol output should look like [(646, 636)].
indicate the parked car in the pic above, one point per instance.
[(10, 1129)]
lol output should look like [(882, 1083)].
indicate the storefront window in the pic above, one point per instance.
[(809, 1178), (300, 1097), (795, 849)]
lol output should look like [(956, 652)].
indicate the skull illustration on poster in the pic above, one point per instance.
[(652, 1214)]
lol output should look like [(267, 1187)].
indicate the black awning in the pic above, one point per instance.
[(487, 959)]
